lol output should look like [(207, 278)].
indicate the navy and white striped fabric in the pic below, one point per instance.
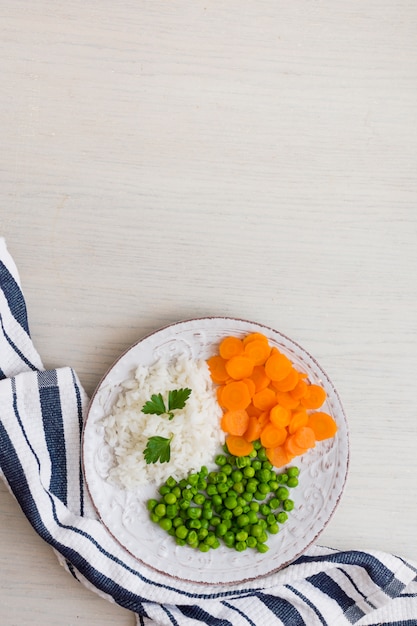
[(41, 416)]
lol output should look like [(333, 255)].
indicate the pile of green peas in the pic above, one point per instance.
[(240, 504)]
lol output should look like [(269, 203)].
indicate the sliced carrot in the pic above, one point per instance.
[(230, 346), (217, 367), (277, 366), (280, 416), (314, 397), (300, 390), (260, 378), (258, 350), (250, 385), (278, 456), (263, 419), (304, 437), (271, 436), (235, 395), (298, 418), (323, 425), (254, 337), (219, 391), (235, 422), (264, 399), (292, 448), (239, 367), (288, 383), (284, 399), (252, 411), (254, 429), (238, 446)]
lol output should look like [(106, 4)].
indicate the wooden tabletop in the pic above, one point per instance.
[(167, 160)]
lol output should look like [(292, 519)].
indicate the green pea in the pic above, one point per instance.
[(293, 472), (192, 537), (264, 509), (172, 510), (160, 510), (259, 495), (256, 530), (227, 469), (273, 528), (248, 472), (263, 488), (221, 529), (262, 547), (199, 498), (181, 532), (220, 460), (292, 481), (251, 542), (202, 534), (170, 498), (274, 503), (203, 547), (170, 482), (288, 505), (151, 504), (238, 510), (262, 454), (194, 523), (273, 485), (194, 512), (240, 546), (180, 542), (165, 523), (243, 520), (282, 493), (164, 489), (253, 517)]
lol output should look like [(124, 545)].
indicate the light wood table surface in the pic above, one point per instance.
[(166, 160)]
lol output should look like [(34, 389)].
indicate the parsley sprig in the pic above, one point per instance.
[(159, 448)]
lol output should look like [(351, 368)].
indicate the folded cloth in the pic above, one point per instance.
[(41, 419)]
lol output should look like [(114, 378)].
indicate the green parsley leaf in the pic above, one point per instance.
[(177, 398), (157, 449), (155, 405)]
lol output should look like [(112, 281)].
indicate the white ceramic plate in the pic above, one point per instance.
[(323, 470)]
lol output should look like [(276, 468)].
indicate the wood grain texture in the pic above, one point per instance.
[(162, 161)]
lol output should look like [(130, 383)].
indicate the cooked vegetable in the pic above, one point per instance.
[(267, 400), (241, 504), (323, 425)]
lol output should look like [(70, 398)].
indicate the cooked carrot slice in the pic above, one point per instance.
[(250, 385), (304, 437), (217, 367), (230, 346), (314, 397), (292, 448), (239, 367), (263, 419), (258, 350), (253, 411), (260, 378), (323, 425), (235, 395), (278, 456), (254, 337), (235, 422), (238, 446), (271, 436), (284, 399), (300, 390), (299, 418), (264, 399), (254, 429), (288, 383), (280, 416), (277, 366)]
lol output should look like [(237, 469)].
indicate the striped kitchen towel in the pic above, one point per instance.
[(41, 418)]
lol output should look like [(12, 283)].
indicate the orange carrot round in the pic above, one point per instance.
[(235, 422), (304, 437), (323, 425), (280, 416), (250, 385), (278, 456), (217, 367), (239, 367), (284, 399), (288, 383), (264, 399), (235, 395), (300, 390), (254, 337), (253, 431), (260, 378), (230, 346), (277, 366), (298, 418), (271, 436), (258, 351), (238, 446), (292, 448), (314, 397)]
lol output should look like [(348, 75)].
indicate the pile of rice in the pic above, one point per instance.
[(195, 428)]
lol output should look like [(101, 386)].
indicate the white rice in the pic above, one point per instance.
[(195, 428)]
